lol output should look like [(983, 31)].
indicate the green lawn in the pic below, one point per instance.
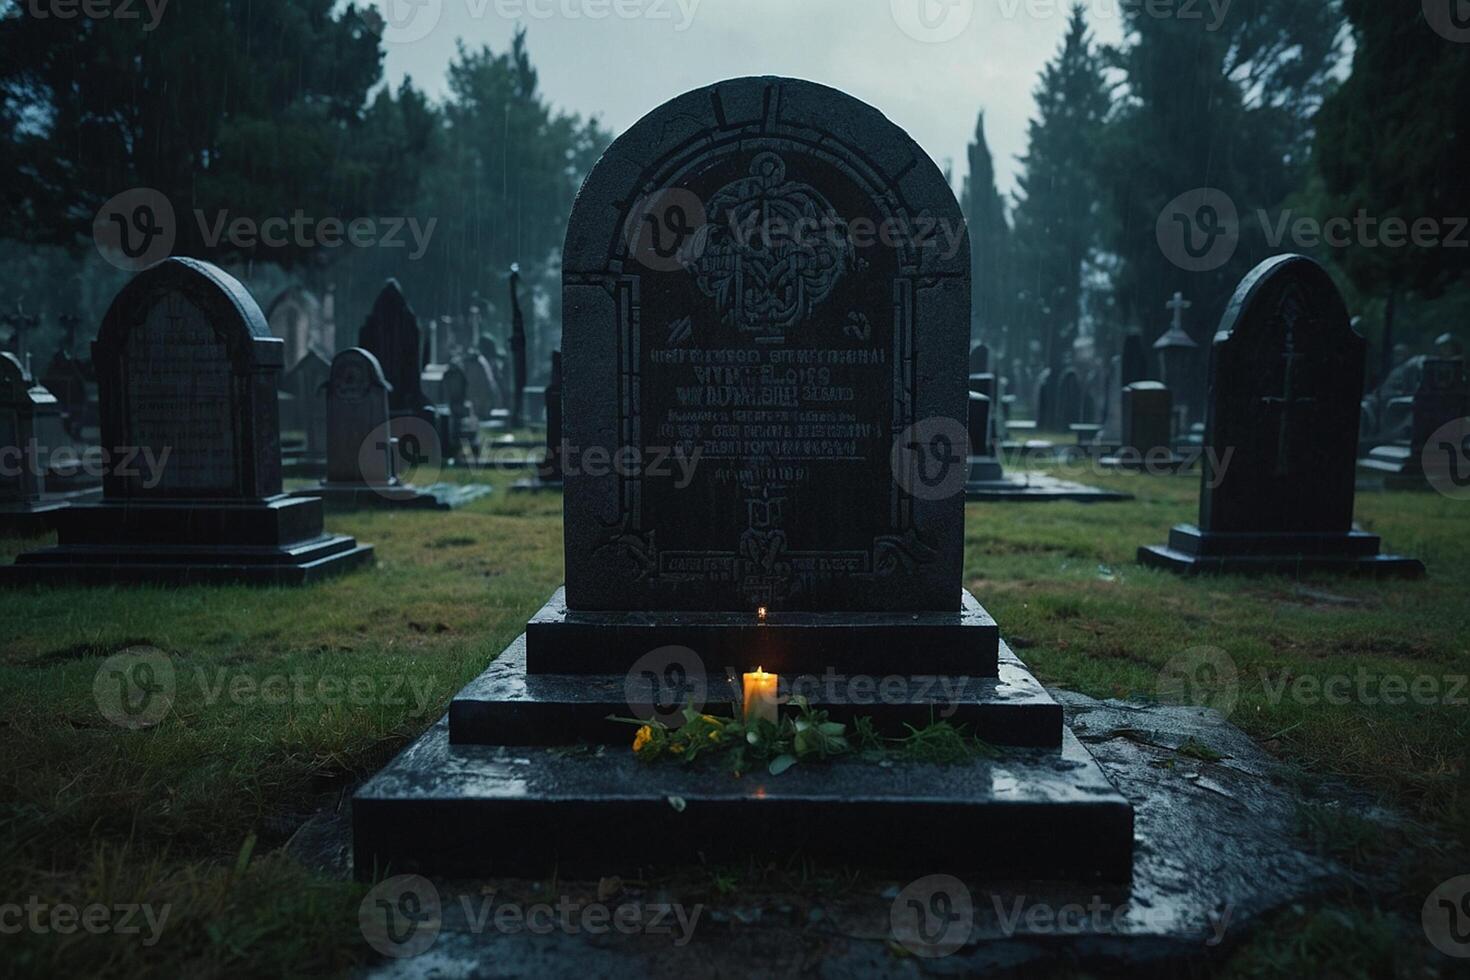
[(194, 812)]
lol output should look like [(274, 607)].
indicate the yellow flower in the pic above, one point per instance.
[(641, 740), (677, 748), (714, 736), (711, 719)]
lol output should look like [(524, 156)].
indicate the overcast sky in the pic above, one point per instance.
[(930, 70)]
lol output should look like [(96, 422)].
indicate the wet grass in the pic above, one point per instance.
[(193, 813)]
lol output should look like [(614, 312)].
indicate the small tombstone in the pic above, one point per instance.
[(303, 381), (1043, 399), (1137, 363), (1442, 395), (1285, 383), (1147, 429), (22, 479), (187, 374), (549, 472), (1068, 399), (980, 359), (391, 333), (298, 318)]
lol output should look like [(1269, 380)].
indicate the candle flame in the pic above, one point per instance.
[(760, 613)]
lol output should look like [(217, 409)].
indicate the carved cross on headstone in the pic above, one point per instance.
[(1288, 397), (1178, 304)]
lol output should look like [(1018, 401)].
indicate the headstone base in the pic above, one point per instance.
[(1154, 462), (965, 642), (1395, 467), (274, 541), (29, 519), (443, 807), (507, 705), (303, 466), (438, 496), (1191, 551), (1038, 488), (537, 485)]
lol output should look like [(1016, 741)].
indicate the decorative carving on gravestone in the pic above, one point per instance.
[(1281, 426), (187, 374), (391, 333)]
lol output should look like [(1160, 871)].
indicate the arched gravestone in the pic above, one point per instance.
[(796, 543), (391, 333), (362, 453), (789, 363), (1285, 382), (187, 373)]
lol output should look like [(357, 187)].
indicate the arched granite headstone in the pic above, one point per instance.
[(770, 273), (1281, 430), (187, 375), (359, 449)]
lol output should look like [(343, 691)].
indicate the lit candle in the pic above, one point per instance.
[(760, 696)]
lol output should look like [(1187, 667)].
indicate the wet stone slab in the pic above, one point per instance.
[(1217, 848)]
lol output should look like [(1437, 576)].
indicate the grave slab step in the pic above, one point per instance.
[(507, 706), (297, 564), (473, 810), (1039, 488), (964, 642)]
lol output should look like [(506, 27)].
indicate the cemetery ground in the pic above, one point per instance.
[(222, 814)]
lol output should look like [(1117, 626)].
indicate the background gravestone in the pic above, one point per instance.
[(1441, 396), (362, 453), (1285, 384), (1147, 442), (303, 381), (979, 359), (25, 505), (391, 333), (1069, 398), (187, 374), (791, 373), (1137, 362)]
